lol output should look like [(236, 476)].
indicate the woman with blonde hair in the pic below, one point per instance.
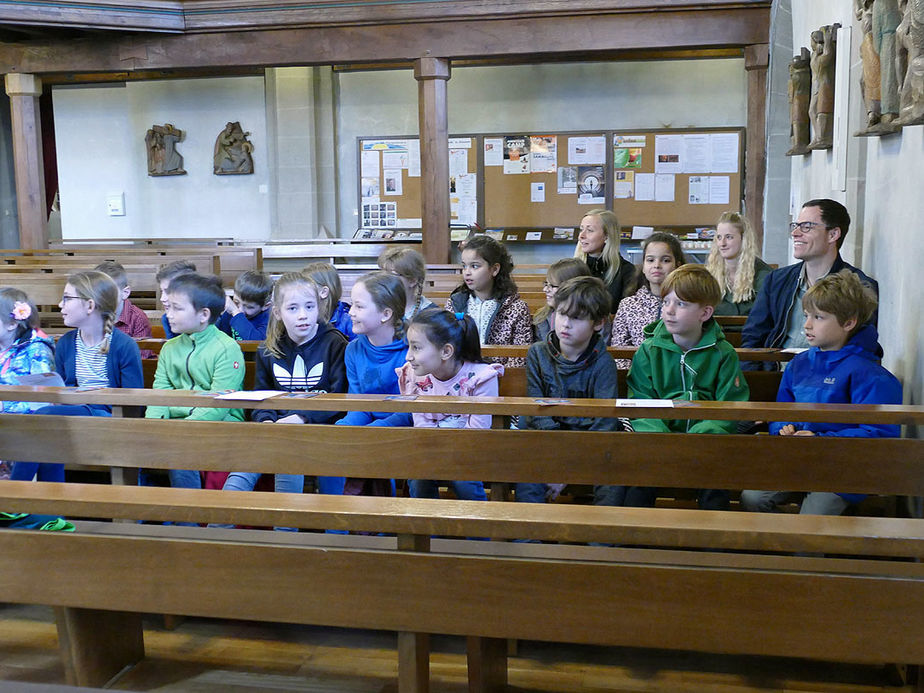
[(598, 246), (734, 263)]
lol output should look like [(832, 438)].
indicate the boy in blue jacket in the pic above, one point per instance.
[(840, 367), (247, 312)]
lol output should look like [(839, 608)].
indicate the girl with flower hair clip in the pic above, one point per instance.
[(24, 350)]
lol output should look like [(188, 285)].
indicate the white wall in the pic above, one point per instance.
[(535, 98), (99, 132), (884, 197)]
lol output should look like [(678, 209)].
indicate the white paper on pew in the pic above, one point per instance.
[(251, 395), (645, 403), (51, 379), (793, 350)]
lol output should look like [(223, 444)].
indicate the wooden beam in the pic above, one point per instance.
[(756, 60), (148, 15), (540, 37), (433, 117), (24, 91)]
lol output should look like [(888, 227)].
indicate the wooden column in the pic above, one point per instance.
[(24, 91), (432, 75), (414, 648), (756, 60), (97, 645)]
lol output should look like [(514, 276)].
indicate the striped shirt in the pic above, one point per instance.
[(91, 364)]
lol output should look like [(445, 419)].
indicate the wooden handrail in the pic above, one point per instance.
[(899, 414)]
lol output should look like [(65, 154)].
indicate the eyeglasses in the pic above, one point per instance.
[(65, 298), (548, 287), (805, 226)]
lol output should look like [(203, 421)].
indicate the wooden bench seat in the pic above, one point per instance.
[(635, 597)]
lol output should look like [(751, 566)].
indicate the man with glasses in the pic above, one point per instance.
[(776, 319)]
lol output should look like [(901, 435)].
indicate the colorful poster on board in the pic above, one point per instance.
[(626, 157), (543, 153), (516, 154)]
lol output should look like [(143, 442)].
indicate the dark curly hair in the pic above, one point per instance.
[(494, 253)]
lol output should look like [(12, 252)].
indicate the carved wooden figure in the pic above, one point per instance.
[(886, 18), (821, 108), (800, 92), (233, 151), (163, 158), (870, 79), (910, 56)]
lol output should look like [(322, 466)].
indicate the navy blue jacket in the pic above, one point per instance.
[(123, 362), (241, 328), (767, 322), (851, 375)]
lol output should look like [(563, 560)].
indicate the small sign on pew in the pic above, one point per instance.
[(250, 395), (645, 403)]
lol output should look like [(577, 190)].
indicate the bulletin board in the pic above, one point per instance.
[(389, 180), (511, 201)]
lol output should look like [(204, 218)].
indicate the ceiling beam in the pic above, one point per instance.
[(500, 39)]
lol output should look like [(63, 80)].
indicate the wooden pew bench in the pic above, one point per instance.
[(640, 596)]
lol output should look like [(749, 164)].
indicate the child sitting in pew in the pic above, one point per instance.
[(247, 311), (444, 358), (201, 357), (325, 276), (489, 295), (302, 353), (129, 317), (558, 273), (841, 367), (167, 273), (92, 355), (571, 363), (685, 357)]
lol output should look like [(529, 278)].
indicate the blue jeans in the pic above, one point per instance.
[(48, 471), (245, 481), (464, 490), (538, 493)]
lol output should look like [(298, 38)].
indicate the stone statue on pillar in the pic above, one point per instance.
[(800, 92), (821, 108), (163, 158), (232, 151), (886, 18), (910, 55), (870, 80)]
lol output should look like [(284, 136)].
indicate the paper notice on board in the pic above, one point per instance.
[(458, 161), (719, 190), (699, 190), (465, 185), (624, 185), (460, 142), (537, 192), (543, 153), (465, 211), (369, 164), (392, 181), (394, 160), (668, 154), (697, 154), (664, 187), (567, 180), (493, 151), (591, 185), (641, 232), (413, 158), (724, 152), (629, 140), (586, 150), (369, 187), (516, 154), (644, 187)]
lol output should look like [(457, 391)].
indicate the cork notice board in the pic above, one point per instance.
[(389, 181), (707, 162)]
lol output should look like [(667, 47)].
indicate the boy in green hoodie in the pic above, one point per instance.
[(685, 356), (200, 358)]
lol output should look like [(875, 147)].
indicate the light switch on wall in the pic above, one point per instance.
[(115, 205)]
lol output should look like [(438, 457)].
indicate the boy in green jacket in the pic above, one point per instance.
[(685, 356), (200, 358)]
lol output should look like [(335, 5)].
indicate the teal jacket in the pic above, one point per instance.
[(207, 361), (708, 372)]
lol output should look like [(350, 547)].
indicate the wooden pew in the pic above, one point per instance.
[(640, 597)]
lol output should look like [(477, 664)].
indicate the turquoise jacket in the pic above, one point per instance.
[(708, 372), (206, 361)]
